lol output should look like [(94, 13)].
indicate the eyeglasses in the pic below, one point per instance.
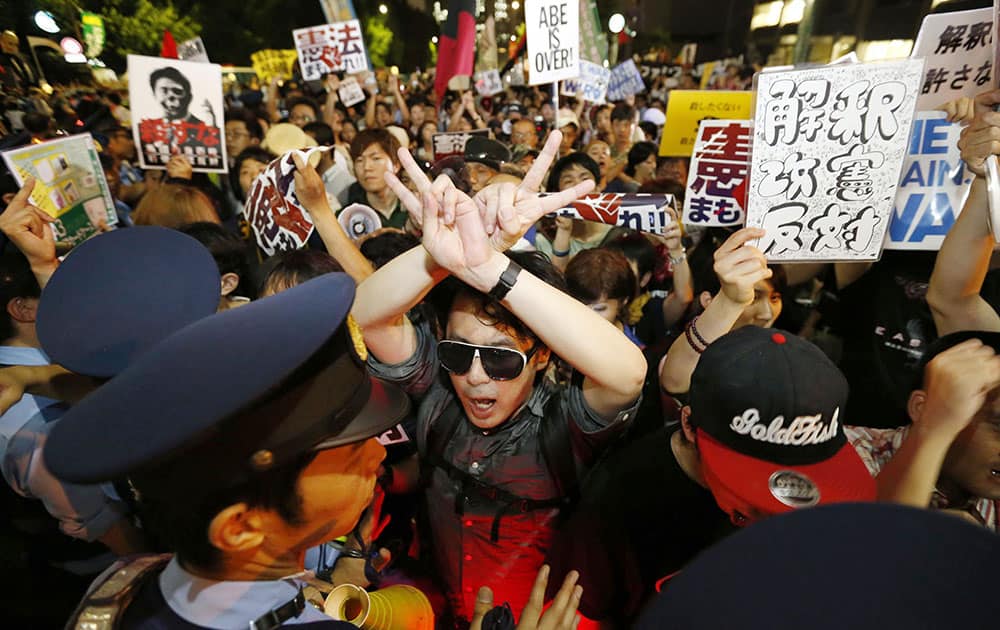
[(499, 363)]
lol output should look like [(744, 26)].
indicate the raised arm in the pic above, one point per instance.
[(28, 229), (332, 84), (404, 110), (676, 304)]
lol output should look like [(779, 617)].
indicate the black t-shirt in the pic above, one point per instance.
[(640, 518)]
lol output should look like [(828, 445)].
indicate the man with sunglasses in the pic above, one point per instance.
[(492, 498)]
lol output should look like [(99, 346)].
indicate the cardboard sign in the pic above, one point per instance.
[(933, 185), (278, 220), (686, 109), (350, 92), (271, 63), (719, 174), (488, 82), (70, 185), (330, 48), (451, 143), (193, 50), (625, 81), (594, 80), (828, 146), (553, 28), (958, 50), (638, 211), (181, 113), (569, 87)]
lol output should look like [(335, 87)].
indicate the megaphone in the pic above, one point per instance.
[(398, 607), (359, 220)]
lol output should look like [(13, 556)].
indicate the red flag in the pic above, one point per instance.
[(169, 48), (457, 44)]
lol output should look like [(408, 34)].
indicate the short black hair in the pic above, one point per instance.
[(623, 111), (16, 281), (386, 244), (304, 100), (601, 272), (36, 122), (250, 153), (230, 252), (639, 153), (249, 120), (321, 132), (636, 248), (578, 158), (291, 268), (169, 73), (649, 128)]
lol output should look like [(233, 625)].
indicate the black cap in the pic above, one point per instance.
[(861, 566), (245, 389), (486, 151), (119, 293)]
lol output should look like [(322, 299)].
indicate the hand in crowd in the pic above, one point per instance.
[(957, 382), (352, 570), (979, 140), (331, 83), (671, 237), (179, 167), (393, 82), (740, 266), (309, 187), (964, 110), (564, 224), (561, 615), (27, 227)]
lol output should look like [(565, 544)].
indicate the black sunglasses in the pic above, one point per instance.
[(499, 363)]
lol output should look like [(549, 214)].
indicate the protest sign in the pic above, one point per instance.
[(452, 143), (932, 187), (719, 174), (69, 185), (593, 82), (278, 220), (569, 87), (553, 28), (637, 211), (176, 109), (593, 41), (625, 81), (687, 108), (651, 71), (192, 50), (828, 146), (92, 27), (350, 92), (958, 50), (488, 82), (330, 48), (271, 63)]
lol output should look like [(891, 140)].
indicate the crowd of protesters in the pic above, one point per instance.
[(603, 402)]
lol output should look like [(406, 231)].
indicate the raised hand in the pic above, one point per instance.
[(309, 187), (179, 167), (561, 615), (964, 110), (27, 227), (980, 140), (741, 266), (958, 382)]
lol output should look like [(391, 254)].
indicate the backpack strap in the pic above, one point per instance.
[(113, 591)]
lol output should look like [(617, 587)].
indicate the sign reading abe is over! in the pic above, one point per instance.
[(553, 39)]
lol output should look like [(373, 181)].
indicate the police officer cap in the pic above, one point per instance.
[(486, 151)]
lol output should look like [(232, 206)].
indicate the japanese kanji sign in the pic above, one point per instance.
[(488, 82), (958, 51), (932, 187), (719, 174), (273, 63), (625, 81), (452, 143), (553, 28), (828, 146), (350, 92), (686, 109), (276, 216), (177, 109), (639, 211), (330, 48)]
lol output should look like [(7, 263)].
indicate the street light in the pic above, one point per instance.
[(46, 21), (616, 23), (383, 9), (434, 39)]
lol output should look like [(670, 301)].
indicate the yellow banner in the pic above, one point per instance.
[(687, 108), (273, 63)]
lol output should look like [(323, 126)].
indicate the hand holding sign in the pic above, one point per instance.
[(27, 227), (740, 266)]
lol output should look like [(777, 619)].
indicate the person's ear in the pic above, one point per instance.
[(915, 405), (705, 299), (254, 141), (23, 310), (686, 426), (236, 528), (541, 358), (229, 283)]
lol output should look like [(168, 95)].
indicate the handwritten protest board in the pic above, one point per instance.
[(553, 28), (69, 185), (330, 48), (933, 185), (177, 109), (594, 80), (350, 92), (489, 82), (719, 174), (637, 211), (192, 50), (270, 63), (686, 109), (277, 219), (625, 81), (828, 146), (958, 49), (451, 143)]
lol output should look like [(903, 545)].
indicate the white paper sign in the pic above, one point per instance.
[(594, 80), (625, 80), (330, 48), (553, 40), (828, 146), (933, 185), (958, 50), (192, 50), (350, 92), (177, 109), (719, 174), (569, 87), (489, 83)]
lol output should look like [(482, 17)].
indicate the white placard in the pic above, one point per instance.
[(828, 146), (331, 48), (933, 185), (177, 109), (958, 50), (553, 40), (719, 174), (594, 80), (350, 92), (624, 81), (488, 82)]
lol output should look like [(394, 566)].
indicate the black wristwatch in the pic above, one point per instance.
[(506, 282)]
